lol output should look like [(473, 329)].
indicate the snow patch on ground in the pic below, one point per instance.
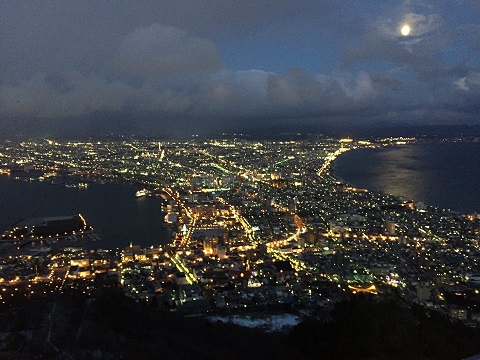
[(271, 323)]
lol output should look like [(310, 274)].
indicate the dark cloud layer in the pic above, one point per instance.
[(164, 51), (166, 66)]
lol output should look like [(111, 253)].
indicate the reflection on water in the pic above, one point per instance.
[(400, 175), (441, 174)]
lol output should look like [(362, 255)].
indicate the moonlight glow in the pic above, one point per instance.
[(405, 30)]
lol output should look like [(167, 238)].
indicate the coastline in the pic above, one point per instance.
[(331, 171), (338, 178), (442, 174)]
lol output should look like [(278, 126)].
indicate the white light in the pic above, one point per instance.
[(405, 30)]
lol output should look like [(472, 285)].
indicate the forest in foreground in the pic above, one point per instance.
[(112, 326)]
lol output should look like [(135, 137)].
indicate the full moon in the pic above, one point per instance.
[(405, 30)]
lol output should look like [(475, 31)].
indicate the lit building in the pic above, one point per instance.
[(210, 245), (389, 227), (458, 313)]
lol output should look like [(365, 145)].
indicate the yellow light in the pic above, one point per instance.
[(405, 30)]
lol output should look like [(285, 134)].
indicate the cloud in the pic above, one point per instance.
[(229, 99), (283, 93), (472, 80), (359, 88), (381, 41), (39, 98), (83, 95), (420, 24), (219, 63), (461, 84), (225, 93), (164, 51)]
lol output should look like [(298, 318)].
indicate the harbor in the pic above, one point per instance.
[(43, 235), (116, 214)]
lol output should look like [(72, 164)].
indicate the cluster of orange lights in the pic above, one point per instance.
[(358, 289)]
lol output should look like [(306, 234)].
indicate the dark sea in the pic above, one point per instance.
[(442, 174), (116, 215)]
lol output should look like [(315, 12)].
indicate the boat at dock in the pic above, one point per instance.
[(143, 192)]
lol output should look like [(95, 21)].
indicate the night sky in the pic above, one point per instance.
[(178, 67)]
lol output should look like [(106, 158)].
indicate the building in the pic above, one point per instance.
[(458, 313), (389, 227), (423, 293), (210, 245)]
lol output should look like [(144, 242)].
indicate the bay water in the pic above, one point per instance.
[(116, 214), (442, 174)]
